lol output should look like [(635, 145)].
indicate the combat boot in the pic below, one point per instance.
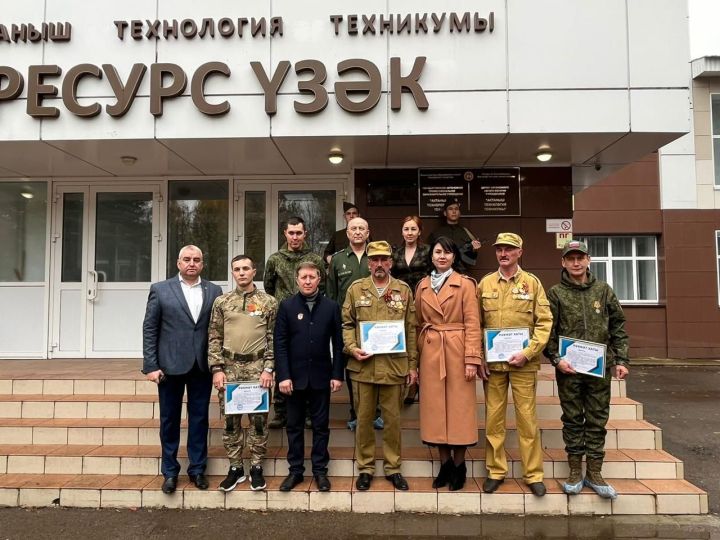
[(573, 485), (595, 481), (444, 474)]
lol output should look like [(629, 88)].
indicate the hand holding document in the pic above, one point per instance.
[(585, 357), (502, 343), (382, 337), (246, 398)]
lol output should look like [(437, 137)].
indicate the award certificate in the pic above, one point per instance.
[(382, 337), (584, 356), (246, 398), (502, 343)]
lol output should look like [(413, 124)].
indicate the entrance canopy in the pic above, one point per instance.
[(212, 88)]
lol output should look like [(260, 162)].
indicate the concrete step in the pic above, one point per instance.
[(146, 406), (513, 497), (622, 434), (418, 462), (70, 383)]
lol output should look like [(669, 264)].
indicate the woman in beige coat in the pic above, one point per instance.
[(450, 357)]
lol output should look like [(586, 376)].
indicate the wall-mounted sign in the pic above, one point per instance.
[(482, 192), (562, 238), (558, 225)]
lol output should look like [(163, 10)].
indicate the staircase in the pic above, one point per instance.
[(84, 433)]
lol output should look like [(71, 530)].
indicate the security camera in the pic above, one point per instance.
[(598, 166)]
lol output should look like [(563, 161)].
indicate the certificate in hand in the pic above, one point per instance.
[(584, 356), (502, 343), (246, 398), (382, 337)]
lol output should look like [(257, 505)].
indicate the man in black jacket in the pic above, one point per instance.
[(306, 325)]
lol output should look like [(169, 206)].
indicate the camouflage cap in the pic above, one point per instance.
[(508, 239), (575, 245), (379, 248)]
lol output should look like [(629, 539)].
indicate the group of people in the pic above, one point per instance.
[(306, 335)]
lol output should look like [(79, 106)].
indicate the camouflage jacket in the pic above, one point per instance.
[(279, 279), (590, 311), (242, 323)]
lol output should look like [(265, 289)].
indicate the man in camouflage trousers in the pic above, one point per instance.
[(241, 349), (280, 281), (585, 308)]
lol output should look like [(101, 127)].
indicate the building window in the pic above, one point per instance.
[(198, 214), (715, 105), (628, 264), (23, 215)]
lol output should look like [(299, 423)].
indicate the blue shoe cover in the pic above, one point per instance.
[(606, 492), (572, 489)]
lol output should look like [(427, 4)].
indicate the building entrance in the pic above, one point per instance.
[(105, 248)]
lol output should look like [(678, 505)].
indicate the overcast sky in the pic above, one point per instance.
[(704, 23)]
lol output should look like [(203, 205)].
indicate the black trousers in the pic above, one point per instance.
[(317, 404), (170, 393)]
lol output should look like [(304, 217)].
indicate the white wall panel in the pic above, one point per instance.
[(309, 34), (118, 317), (15, 124), (181, 120), (20, 55), (677, 182), (23, 331), (455, 61), (660, 110), (95, 41), (583, 111), (237, 52), (451, 113), (70, 320), (658, 38), (567, 44)]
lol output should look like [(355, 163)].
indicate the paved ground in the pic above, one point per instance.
[(684, 401)]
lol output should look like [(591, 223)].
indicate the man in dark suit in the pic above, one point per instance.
[(175, 344), (307, 324)]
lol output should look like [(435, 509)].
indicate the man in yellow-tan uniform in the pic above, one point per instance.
[(513, 298)]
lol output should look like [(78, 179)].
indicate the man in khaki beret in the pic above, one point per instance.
[(378, 377), (513, 298)]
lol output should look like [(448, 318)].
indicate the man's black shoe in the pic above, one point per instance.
[(169, 485), (490, 485), (538, 489), (323, 482), (200, 480), (363, 481), (291, 480), (235, 476), (398, 481)]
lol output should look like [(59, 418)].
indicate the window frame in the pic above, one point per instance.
[(634, 258), (713, 138)]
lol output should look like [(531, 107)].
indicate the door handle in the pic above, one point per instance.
[(92, 286)]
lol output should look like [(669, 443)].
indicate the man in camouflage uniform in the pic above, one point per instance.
[(513, 298), (241, 349), (279, 281), (586, 308), (379, 377)]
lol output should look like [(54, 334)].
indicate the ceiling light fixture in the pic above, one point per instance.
[(336, 156), (544, 154), (128, 160), (27, 193)]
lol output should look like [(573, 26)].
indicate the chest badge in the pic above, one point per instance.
[(300, 316), (596, 305)]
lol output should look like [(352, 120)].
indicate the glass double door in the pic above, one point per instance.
[(105, 243)]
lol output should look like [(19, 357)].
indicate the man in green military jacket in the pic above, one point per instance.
[(585, 308), (280, 281), (379, 378)]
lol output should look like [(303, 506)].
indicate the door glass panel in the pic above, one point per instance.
[(316, 207), (123, 237), (23, 211), (198, 215), (72, 241), (254, 228)]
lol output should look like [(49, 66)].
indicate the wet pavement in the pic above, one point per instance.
[(683, 400)]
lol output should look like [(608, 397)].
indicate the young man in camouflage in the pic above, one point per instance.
[(279, 281), (586, 308), (241, 349)]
